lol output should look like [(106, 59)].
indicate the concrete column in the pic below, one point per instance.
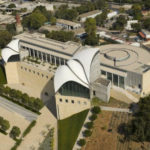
[(55, 60), (50, 57), (34, 53), (37, 54), (46, 57), (42, 56)]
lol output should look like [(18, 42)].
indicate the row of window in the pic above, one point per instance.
[(72, 101), (32, 71), (45, 57)]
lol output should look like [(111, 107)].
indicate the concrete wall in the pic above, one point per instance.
[(38, 80), (12, 75), (146, 83), (134, 80), (66, 109), (102, 92), (95, 68)]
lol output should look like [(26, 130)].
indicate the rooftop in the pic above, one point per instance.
[(89, 13), (37, 39), (67, 22), (102, 81), (125, 57), (5, 19)]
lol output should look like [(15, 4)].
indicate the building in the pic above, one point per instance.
[(19, 27), (129, 24), (71, 75), (68, 25), (91, 14), (145, 34), (112, 14), (77, 82)]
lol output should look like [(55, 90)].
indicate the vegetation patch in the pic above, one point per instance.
[(68, 130), (2, 76)]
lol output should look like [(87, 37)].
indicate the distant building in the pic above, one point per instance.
[(145, 34), (19, 27), (91, 14), (68, 25), (112, 14), (129, 24)]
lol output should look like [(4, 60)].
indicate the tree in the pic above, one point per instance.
[(11, 28), (5, 38), (96, 110), (35, 20), (81, 142), (136, 27), (93, 117), (89, 125), (136, 11), (90, 26), (12, 5), (91, 40), (87, 133), (5, 125), (38, 104), (15, 132), (146, 23)]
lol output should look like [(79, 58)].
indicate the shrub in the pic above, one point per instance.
[(93, 117), (15, 132), (89, 125), (32, 124), (81, 142), (96, 110), (87, 133)]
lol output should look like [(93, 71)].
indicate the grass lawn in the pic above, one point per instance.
[(2, 76), (68, 130)]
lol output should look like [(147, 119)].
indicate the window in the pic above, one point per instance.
[(103, 72), (33, 71), (66, 101), (47, 77), (109, 76), (42, 75), (25, 68), (72, 101), (85, 103), (29, 70), (38, 73), (121, 82), (60, 100), (94, 93), (21, 67), (115, 79), (78, 102)]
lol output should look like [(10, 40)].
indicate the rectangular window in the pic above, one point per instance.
[(115, 79), (103, 72), (121, 81), (109, 76)]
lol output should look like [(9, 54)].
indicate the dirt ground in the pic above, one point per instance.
[(105, 134)]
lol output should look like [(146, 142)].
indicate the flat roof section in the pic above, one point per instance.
[(89, 13), (37, 39), (67, 22), (125, 57)]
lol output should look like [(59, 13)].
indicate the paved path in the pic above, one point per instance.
[(12, 107), (106, 108)]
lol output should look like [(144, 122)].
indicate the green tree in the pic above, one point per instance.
[(87, 133), (136, 11), (136, 27), (11, 28), (81, 142), (89, 125), (90, 26), (146, 24), (93, 117), (5, 38), (15, 132), (5, 125), (96, 110), (12, 5)]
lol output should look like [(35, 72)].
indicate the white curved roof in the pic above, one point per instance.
[(85, 57), (14, 44), (7, 53), (78, 70), (63, 75)]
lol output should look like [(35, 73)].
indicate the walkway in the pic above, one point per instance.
[(12, 107), (106, 108)]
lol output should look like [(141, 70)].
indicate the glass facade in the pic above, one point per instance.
[(115, 79), (74, 89)]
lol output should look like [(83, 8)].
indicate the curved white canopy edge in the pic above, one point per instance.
[(7, 53), (64, 74), (14, 44), (85, 57)]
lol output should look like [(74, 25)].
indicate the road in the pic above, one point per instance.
[(12, 107), (115, 109)]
